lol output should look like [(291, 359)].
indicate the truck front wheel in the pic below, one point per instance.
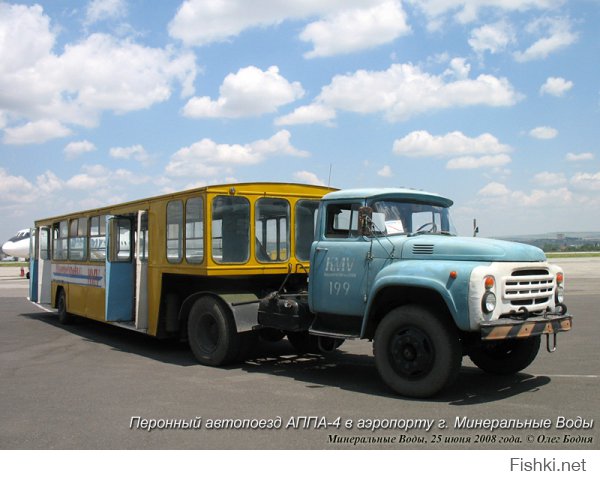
[(505, 357), (417, 354)]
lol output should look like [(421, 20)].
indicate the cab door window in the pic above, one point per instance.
[(342, 220)]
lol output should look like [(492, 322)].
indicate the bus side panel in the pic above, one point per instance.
[(77, 299), (95, 303), (154, 299)]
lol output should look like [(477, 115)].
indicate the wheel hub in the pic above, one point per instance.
[(411, 352)]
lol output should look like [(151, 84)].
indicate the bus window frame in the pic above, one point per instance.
[(202, 237), (180, 237), (264, 230)]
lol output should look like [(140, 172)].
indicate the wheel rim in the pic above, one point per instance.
[(411, 353), (208, 333)]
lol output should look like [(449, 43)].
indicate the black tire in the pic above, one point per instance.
[(417, 353), (64, 317), (505, 357), (212, 335)]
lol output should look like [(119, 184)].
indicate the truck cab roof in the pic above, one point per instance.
[(378, 193)]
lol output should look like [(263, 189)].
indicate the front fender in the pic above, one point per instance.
[(432, 275)]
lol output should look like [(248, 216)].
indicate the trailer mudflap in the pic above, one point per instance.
[(507, 328)]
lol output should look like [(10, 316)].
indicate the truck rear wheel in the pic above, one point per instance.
[(417, 354), (505, 357), (212, 335)]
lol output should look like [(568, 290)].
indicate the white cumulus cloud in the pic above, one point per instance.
[(356, 29), (558, 35), (578, 157), (549, 179), (75, 149), (556, 86), (249, 92), (311, 178), (98, 10), (421, 143), (91, 75), (543, 133), (208, 158), (493, 38), (404, 90), (135, 152), (35, 132), (465, 153)]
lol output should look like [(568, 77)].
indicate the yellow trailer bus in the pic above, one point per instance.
[(191, 264)]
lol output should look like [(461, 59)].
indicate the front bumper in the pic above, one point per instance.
[(506, 328)]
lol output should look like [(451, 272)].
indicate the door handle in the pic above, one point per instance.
[(321, 249)]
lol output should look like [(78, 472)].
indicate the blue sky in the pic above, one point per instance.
[(493, 103)]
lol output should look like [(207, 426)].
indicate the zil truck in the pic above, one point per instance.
[(387, 266), (219, 266)]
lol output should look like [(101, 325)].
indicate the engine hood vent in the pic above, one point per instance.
[(422, 249)]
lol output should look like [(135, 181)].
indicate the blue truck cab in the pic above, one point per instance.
[(387, 265)]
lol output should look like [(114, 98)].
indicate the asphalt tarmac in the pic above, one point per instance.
[(94, 386)]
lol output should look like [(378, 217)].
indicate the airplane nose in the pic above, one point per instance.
[(8, 248)]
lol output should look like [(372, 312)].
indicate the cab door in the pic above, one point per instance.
[(339, 262), (120, 269)]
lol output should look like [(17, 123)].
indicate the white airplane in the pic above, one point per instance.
[(18, 246)]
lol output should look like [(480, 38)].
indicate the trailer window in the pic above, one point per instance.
[(44, 244), (230, 241), (78, 239), (175, 231), (98, 238), (194, 230), (61, 239), (306, 221), (272, 231)]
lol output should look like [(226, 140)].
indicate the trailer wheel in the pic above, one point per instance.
[(505, 357), (212, 335), (417, 354), (64, 317)]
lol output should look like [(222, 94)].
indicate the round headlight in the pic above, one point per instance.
[(488, 302), (560, 294)]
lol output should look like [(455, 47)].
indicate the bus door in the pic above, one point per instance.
[(120, 268), (33, 266), (44, 266), (141, 277)]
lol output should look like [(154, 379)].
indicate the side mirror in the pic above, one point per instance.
[(365, 221)]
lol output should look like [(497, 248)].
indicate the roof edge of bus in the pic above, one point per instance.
[(206, 188)]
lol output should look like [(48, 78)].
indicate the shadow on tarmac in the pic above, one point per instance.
[(340, 369)]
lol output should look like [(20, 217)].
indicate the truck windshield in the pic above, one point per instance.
[(397, 217)]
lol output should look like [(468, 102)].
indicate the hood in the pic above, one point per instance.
[(437, 247)]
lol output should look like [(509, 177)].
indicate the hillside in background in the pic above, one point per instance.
[(561, 241)]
